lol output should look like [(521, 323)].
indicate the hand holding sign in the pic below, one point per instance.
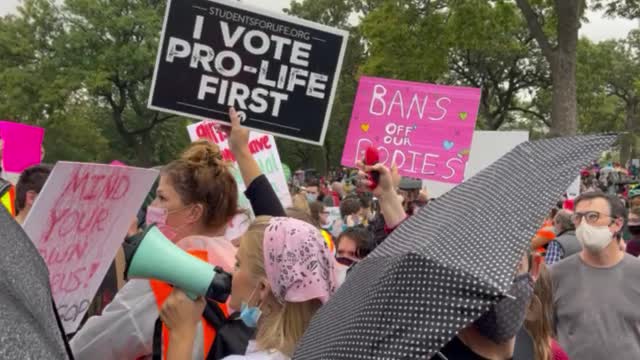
[(238, 135), (239, 145)]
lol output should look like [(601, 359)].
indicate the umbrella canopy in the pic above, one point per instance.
[(28, 325), (443, 268)]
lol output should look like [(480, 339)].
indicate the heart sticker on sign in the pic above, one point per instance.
[(464, 152), (447, 145), (463, 115), (364, 127)]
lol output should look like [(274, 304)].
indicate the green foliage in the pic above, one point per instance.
[(406, 40), (609, 93), (72, 135), (626, 8), (298, 155), (599, 110), (470, 43), (82, 69)]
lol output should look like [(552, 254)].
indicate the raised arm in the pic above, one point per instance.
[(261, 195), (390, 203)]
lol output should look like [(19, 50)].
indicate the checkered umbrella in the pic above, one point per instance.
[(443, 268)]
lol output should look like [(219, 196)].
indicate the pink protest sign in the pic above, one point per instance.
[(78, 222), (425, 129), (21, 146)]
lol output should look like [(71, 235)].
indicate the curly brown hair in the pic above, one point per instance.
[(201, 176)]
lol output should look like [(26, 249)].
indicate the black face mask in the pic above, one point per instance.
[(634, 229), (503, 321)]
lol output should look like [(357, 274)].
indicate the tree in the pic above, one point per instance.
[(334, 13), (469, 43), (31, 90), (610, 79), (494, 51), (554, 25), (560, 52), (88, 64), (110, 51), (625, 8), (406, 40)]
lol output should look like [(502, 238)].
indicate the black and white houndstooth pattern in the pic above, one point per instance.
[(446, 266)]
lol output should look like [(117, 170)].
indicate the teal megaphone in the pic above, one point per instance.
[(150, 255)]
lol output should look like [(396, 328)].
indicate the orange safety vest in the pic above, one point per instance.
[(8, 199), (162, 290), (545, 232)]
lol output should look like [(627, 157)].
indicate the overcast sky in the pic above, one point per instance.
[(597, 29)]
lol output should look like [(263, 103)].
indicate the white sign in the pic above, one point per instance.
[(264, 150), (334, 214), (574, 189), (78, 223), (486, 148)]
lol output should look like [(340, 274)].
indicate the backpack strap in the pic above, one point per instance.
[(214, 315), (67, 347), (157, 341)]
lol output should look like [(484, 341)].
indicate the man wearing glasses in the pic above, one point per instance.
[(596, 292)]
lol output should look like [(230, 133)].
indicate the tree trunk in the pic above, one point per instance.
[(563, 102), (144, 150), (632, 117), (562, 60), (327, 156), (564, 113)]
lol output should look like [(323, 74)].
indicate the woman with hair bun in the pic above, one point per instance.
[(196, 198), (283, 274)]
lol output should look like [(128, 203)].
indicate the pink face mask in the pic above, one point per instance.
[(158, 216)]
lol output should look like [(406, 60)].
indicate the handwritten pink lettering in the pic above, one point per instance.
[(88, 187), (63, 222), (73, 252), (425, 129), (70, 281)]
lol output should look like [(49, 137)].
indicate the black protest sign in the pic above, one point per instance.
[(280, 72)]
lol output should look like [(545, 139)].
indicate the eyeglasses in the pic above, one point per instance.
[(590, 216)]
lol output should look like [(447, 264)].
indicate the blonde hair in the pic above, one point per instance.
[(281, 326), (298, 214), (300, 202), (539, 322), (201, 176)]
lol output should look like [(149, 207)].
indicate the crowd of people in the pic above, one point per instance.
[(573, 295)]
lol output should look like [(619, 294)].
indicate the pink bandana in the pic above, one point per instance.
[(297, 261)]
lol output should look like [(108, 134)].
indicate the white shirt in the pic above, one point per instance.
[(254, 354), (124, 330)]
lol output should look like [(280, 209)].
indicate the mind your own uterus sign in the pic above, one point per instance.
[(280, 72), (425, 129)]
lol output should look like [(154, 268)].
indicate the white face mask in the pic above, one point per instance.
[(341, 273), (593, 238)]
